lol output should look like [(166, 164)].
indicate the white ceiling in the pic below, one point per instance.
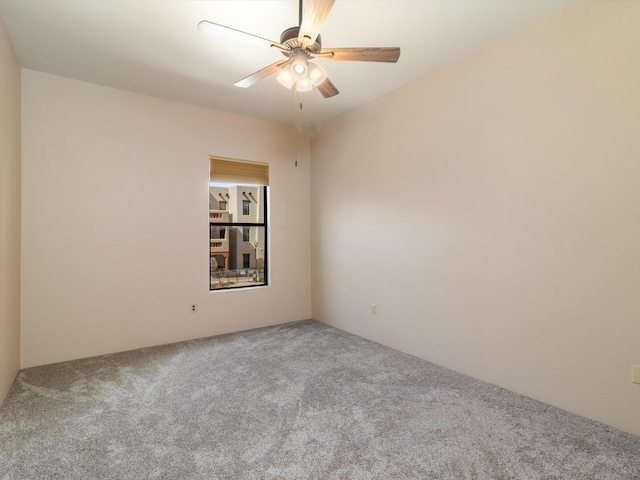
[(153, 47)]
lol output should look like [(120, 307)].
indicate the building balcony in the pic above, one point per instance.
[(219, 245), (218, 216)]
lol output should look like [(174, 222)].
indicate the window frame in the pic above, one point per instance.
[(259, 224)]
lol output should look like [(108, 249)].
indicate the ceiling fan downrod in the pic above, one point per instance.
[(299, 13)]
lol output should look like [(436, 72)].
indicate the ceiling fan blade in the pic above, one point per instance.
[(373, 54), (327, 89), (260, 74), (210, 27), (315, 13)]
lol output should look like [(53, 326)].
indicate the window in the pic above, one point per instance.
[(238, 233)]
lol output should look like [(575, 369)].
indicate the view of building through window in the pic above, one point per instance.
[(237, 235)]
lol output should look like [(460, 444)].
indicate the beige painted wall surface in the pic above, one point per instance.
[(491, 211), (9, 214), (115, 221)]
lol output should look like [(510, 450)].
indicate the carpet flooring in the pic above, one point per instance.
[(295, 401)]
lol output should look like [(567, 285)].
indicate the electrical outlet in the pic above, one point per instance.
[(194, 308), (635, 373), (373, 309)]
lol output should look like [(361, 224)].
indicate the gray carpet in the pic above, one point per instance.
[(296, 401)]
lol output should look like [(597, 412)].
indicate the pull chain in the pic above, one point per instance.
[(297, 109)]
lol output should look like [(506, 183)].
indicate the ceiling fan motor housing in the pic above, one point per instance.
[(289, 38)]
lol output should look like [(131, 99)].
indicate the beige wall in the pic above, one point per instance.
[(9, 214), (491, 210), (115, 221)]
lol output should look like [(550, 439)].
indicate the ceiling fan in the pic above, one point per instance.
[(299, 45)]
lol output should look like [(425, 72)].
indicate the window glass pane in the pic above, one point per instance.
[(245, 234), (246, 207), (237, 263)]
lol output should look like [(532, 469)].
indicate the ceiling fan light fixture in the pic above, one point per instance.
[(285, 77), (316, 74), (299, 65), (304, 85)]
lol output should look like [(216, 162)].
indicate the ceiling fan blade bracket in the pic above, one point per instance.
[(282, 48), (290, 39), (322, 55)]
